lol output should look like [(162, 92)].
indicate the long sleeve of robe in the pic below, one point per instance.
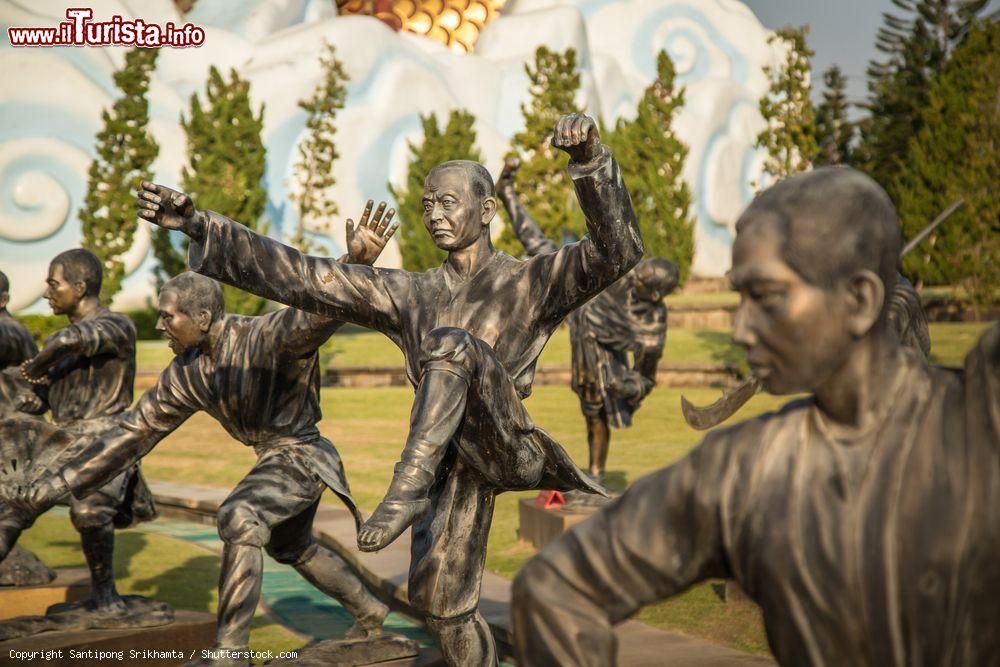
[(863, 548), (261, 383), (512, 305)]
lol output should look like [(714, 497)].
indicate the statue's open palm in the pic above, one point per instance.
[(167, 208), (367, 240)]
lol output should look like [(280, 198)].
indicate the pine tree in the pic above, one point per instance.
[(956, 154), (226, 160), (917, 45), (651, 158), (542, 180), (790, 135), (318, 152), (125, 153), (456, 142), (834, 132)]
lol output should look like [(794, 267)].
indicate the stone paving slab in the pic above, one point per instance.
[(639, 645)]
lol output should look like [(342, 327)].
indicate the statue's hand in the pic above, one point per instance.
[(577, 135), (169, 209), (509, 171), (367, 241), (29, 402)]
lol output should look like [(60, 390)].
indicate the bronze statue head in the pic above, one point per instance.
[(189, 305), (459, 203), (654, 278), (4, 290), (814, 259), (74, 275)]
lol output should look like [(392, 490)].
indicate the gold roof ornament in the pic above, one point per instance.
[(454, 23)]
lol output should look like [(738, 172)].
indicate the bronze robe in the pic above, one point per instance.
[(16, 343), (260, 382), (862, 548)]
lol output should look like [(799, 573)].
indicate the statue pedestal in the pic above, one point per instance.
[(191, 631), (70, 585), (387, 649), (540, 525)]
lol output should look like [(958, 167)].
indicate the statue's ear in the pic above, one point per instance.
[(489, 209), (4, 299), (204, 320), (867, 295), (79, 289)]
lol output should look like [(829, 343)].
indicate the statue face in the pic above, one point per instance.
[(181, 330), (452, 214), (795, 333), (62, 295)]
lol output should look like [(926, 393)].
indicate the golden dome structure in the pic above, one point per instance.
[(454, 23)]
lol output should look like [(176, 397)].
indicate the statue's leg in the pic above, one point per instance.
[(448, 364), (447, 557), (292, 543), (599, 440), (93, 517)]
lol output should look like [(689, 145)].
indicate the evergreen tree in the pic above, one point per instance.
[(456, 142), (651, 158), (125, 153), (542, 180), (957, 154), (916, 44), (790, 135), (226, 160), (834, 132), (318, 152)]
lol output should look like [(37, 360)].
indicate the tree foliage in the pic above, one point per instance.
[(956, 154), (456, 142), (226, 161), (790, 135), (125, 154), (834, 132), (317, 153), (917, 44), (651, 158), (542, 181)]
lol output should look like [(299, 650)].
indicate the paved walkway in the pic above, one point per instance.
[(640, 645)]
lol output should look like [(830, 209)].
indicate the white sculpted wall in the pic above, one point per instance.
[(53, 98)]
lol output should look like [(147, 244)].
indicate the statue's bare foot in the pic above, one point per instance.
[(369, 625), (388, 522)]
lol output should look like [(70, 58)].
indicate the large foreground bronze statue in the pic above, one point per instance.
[(863, 519), (627, 319), (471, 332)]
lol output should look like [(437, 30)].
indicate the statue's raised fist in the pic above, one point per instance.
[(577, 135)]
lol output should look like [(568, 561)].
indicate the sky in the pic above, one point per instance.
[(842, 32)]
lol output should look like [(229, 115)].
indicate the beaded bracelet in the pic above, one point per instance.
[(32, 380)]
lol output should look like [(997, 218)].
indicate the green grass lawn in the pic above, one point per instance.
[(369, 428), (156, 566)]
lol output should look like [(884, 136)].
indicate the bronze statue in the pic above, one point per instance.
[(16, 343), (471, 332), (83, 375), (259, 377), (864, 519), (629, 317)]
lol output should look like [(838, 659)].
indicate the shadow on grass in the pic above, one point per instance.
[(189, 585), (127, 547)]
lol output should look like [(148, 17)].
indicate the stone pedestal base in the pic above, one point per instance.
[(68, 616), (165, 645), (539, 526), (379, 650), (70, 585)]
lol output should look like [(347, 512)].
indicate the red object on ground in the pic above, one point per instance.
[(549, 500)]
